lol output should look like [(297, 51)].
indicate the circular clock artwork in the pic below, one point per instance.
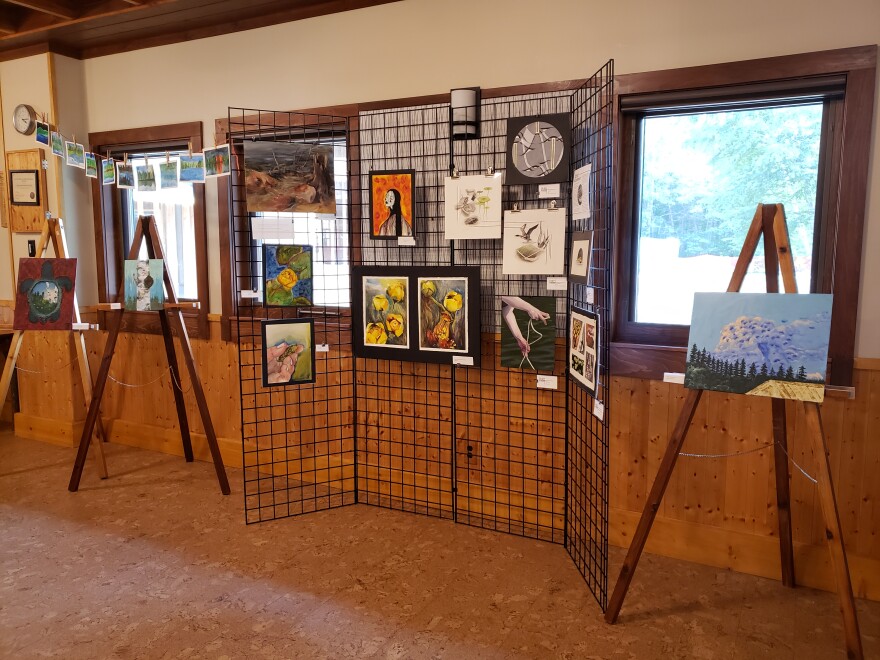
[(24, 119), (538, 149)]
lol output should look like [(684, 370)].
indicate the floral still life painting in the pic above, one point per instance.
[(443, 314), (760, 344), (385, 311), (534, 242), (472, 207), (44, 294), (288, 352), (144, 290), (528, 332), (289, 177), (287, 275)]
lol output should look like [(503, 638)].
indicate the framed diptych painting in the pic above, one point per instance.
[(472, 207), (583, 347), (392, 204), (534, 242), (44, 294), (288, 352)]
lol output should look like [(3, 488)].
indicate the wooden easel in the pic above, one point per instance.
[(53, 230), (146, 232), (769, 222)]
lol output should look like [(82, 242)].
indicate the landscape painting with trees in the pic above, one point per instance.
[(289, 177), (760, 344)]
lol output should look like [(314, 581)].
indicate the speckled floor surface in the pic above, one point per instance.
[(155, 563)]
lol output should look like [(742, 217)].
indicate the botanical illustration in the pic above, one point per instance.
[(385, 316), (580, 193), (91, 165), (146, 178), (192, 168), (538, 149), (57, 144), (528, 332), (443, 314), (75, 154), (217, 161), (144, 290), (108, 171), (287, 275), (534, 242), (124, 175), (288, 352), (392, 203), (168, 174), (473, 207), (44, 294), (583, 347), (289, 177), (761, 344), (581, 251)]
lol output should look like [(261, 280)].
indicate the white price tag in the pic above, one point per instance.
[(547, 382), (463, 360), (672, 377), (409, 241), (115, 305), (599, 409), (591, 296), (548, 190), (557, 284), (80, 326), (322, 348), (250, 294)]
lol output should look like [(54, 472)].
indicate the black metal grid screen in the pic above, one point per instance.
[(298, 440)]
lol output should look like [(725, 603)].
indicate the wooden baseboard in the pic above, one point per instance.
[(64, 433), (743, 552), (167, 441)]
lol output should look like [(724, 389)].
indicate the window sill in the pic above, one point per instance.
[(645, 361)]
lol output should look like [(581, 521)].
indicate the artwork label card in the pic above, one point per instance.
[(44, 294), (392, 204), (580, 193), (289, 177), (534, 242), (528, 332), (144, 290), (288, 352), (472, 207)]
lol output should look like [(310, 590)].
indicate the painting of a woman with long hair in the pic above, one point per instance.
[(391, 204)]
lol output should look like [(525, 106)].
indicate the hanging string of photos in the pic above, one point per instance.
[(188, 168)]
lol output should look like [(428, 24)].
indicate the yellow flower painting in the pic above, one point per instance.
[(385, 312), (443, 314)]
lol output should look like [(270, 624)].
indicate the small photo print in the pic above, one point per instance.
[(57, 144), (192, 168), (108, 171), (124, 175), (76, 156), (217, 161), (42, 134), (91, 165), (146, 178), (580, 193), (168, 174)]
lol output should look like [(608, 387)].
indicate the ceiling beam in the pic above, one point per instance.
[(8, 21), (60, 8)]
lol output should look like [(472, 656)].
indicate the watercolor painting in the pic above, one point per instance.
[(44, 294), (538, 149), (192, 168), (534, 242), (144, 291), (289, 177), (760, 344), (580, 193), (583, 347), (443, 314), (75, 154), (392, 207), (168, 174), (287, 275), (217, 161), (108, 171), (91, 165), (42, 133), (57, 143), (288, 352), (472, 207), (124, 175), (385, 311), (528, 332), (146, 178), (581, 252)]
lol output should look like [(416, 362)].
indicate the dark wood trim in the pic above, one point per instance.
[(109, 250), (649, 362), (840, 205), (38, 49)]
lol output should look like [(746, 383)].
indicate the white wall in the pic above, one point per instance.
[(419, 47)]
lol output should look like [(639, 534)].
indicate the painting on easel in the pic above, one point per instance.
[(760, 344), (44, 295)]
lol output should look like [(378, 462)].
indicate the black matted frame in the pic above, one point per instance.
[(559, 174), (265, 371), (36, 181)]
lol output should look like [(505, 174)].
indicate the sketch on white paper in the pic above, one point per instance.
[(580, 193), (473, 207), (534, 242)]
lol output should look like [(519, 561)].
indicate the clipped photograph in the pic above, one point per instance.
[(217, 161), (192, 168), (124, 175), (91, 165), (108, 171), (41, 135), (57, 144), (146, 178), (76, 156), (168, 174)]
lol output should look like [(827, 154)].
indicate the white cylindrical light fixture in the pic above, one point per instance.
[(464, 113)]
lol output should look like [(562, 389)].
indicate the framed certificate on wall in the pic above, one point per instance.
[(24, 187)]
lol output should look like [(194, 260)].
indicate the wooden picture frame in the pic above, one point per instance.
[(392, 215), (277, 332), (24, 187)]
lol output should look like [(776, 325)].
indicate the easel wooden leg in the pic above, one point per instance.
[(828, 502), (783, 500), (652, 505), (86, 378), (9, 366), (176, 385)]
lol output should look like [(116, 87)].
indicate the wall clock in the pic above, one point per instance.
[(24, 119), (538, 149)]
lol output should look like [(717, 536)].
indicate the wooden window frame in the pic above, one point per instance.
[(648, 350), (109, 249)]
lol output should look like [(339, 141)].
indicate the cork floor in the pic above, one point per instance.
[(155, 563)]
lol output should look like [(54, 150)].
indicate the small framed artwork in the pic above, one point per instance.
[(581, 252), (287, 275), (538, 149), (217, 161), (528, 332), (288, 352), (24, 187), (534, 242), (392, 204), (192, 168), (580, 193), (583, 348), (125, 175), (108, 172), (473, 207)]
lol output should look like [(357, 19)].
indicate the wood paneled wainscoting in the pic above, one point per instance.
[(717, 511)]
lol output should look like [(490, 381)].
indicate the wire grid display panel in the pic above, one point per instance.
[(298, 440), (404, 409), (587, 465)]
